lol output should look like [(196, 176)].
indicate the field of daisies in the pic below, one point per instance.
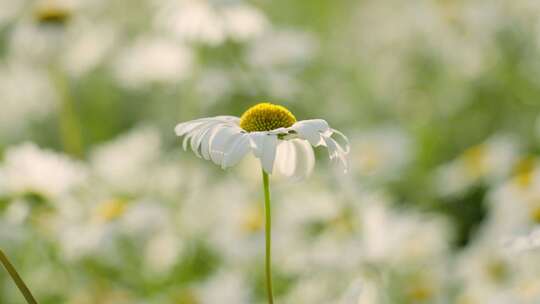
[(99, 203)]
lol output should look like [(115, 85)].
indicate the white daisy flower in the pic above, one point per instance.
[(271, 133)]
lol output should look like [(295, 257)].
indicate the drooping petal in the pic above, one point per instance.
[(186, 127), (207, 139), (237, 150), (257, 143), (220, 141), (198, 134), (264, 147), (311, 130), (286, 158), (193, 131), (190, 130), (295, 159), (305, 159), (269, 153), (346, 145), (336, 152), (196, 141)]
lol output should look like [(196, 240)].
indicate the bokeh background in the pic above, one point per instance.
[(439, 98)]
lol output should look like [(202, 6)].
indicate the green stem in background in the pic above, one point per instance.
[(69, 124), (17, 279), (268, 229)]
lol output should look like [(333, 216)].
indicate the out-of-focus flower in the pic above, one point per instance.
[(487, 271), (153, 60), (353, 293), (110, 159), (192, 21), (523, 243), (313, 289), (79, 240), (244, 22), (240, 220), (41, 39), (387, 231), (488, 162), (144, 218), (226, 286), (53, 12), (109, 210), (515, 204), (270, 132), (370, 293), (94, 231), (213, 85), (21, 107), (140, 169), (88, 49), (280, 49), (281, 84), (279, 57), (162, 252), (202, 22), (17, 211), (27, 168), (390, 33), (381, 153)]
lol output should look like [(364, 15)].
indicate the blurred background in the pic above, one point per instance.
[(439, 98)]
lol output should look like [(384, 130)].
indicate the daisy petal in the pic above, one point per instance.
[(219, 142), (197, 129), (269, 153), (196, 141), (264, 148), (286, 158), (207, 139), (335, 152), (186, 127), (311, 130), (305, 159), (257, 143), (197, 136), (237, 150), (189, 126), (346, 145)]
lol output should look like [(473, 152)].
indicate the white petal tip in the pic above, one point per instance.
[(178, 130)]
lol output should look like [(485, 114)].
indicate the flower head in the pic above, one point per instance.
[(271, 133), (266, 117), (53, 13)]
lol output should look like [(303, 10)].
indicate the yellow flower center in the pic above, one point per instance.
[(534, 214), (420, 293), (111, 210), (475, 160), (266, 117), (186, 296), (524, 172), (497, 270), (252, 220), (52, 14)]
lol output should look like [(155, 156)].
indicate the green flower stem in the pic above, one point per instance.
[(69, 123), (268, 230), (17, 279)]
